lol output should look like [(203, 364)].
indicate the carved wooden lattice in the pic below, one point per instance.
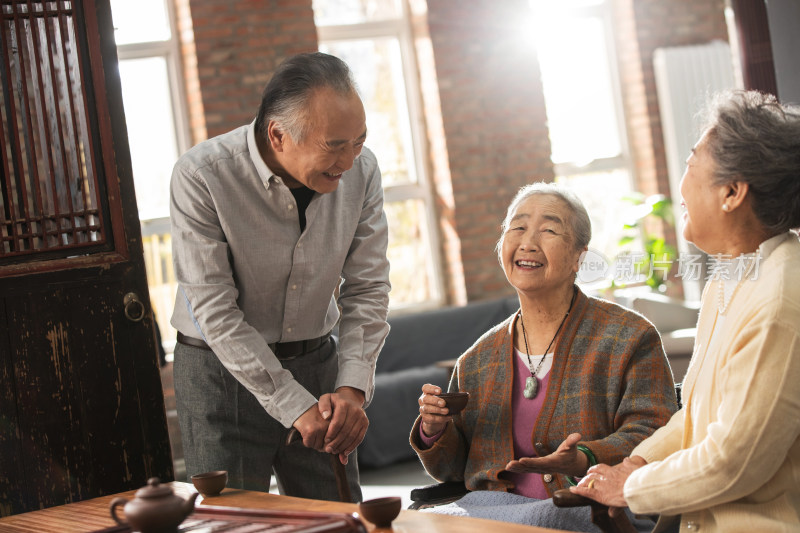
[(49, 171)]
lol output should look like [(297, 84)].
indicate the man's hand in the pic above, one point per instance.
[(349, 423), (312, 425), (565, 460)]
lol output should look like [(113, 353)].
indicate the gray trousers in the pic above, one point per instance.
[(223, 427)]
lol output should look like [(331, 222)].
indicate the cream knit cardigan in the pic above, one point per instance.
[(729, 460)]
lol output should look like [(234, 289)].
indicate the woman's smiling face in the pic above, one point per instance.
[(537, 248)]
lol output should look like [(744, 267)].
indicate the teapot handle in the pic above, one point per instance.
[(114, 503)]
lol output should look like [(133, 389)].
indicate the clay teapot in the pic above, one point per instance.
[(155, 509)]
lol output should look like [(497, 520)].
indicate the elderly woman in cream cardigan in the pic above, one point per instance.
[(729, 460)]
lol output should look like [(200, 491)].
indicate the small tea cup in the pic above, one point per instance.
[(454, 401), (381, 511), (210, 483)]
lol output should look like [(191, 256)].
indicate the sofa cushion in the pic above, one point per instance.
[(416, 342), (422, 339)]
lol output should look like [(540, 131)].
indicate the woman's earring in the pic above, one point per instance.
[(725, 207)]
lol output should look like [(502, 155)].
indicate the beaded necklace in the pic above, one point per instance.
[(722, 304)]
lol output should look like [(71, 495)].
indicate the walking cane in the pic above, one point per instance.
[(338, 468)]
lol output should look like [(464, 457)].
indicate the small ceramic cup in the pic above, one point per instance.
[(381, 511), (210, 483), (455, 401)]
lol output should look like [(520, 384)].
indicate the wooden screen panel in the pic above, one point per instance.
[(50, 167)]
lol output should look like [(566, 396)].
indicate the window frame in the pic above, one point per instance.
[(400, 28), (171, 52)]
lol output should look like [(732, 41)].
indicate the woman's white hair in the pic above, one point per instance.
[(581, 226)]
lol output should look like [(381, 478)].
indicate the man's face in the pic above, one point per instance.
[(335, 135)]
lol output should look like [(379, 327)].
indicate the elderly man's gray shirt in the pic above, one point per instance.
[(248, 277)]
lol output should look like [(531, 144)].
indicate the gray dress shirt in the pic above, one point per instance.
[(248, 277)]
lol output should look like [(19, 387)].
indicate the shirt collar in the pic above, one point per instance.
[(768, 246), (746, 266), (264, 172)]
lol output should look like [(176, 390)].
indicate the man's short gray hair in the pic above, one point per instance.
[(285, 98)]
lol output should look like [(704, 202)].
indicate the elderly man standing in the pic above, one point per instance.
[(270, 222)]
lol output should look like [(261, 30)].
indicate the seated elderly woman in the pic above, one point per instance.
[(565, 382), (729, 460)]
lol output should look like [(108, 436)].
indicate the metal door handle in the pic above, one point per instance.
[(134, 308)]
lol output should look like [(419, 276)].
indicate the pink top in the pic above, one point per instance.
[(524, 415)]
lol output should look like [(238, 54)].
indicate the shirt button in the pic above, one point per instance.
[(288, 330), (539, 445), (694, 526), (294, 287), (290, 207), (547, 478)]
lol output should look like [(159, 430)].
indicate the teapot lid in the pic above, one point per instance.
[(154, 489)]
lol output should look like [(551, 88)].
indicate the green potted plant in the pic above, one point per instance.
[(651, 265)]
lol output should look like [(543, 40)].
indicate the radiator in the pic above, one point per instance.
[(685, 77)]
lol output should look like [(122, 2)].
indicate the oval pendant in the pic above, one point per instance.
[(531, 388)]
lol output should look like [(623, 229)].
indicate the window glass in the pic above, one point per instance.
[(587, 139), (372, 37), (409, 252), (607, 210), (140, 21), (565, 5), (151, 132), (334, 12), (377, 67), (577, 88)]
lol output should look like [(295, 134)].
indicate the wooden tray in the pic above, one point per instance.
[(214, 519)]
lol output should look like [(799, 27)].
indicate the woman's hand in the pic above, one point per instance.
[(605, 483), (565, 460), (433, 410)]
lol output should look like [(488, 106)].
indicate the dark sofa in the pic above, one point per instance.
[(416, 342)]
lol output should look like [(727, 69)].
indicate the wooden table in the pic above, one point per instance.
[(91, 515)]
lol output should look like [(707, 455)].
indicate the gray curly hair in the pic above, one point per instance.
[(753, 138)]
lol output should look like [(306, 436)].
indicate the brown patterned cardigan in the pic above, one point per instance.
[(610, 381)]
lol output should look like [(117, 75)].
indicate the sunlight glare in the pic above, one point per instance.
[(140, 21), (577, 87)]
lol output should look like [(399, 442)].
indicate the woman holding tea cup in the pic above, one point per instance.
[(565, 382)]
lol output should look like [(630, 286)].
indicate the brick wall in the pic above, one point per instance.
[(493, 122)]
